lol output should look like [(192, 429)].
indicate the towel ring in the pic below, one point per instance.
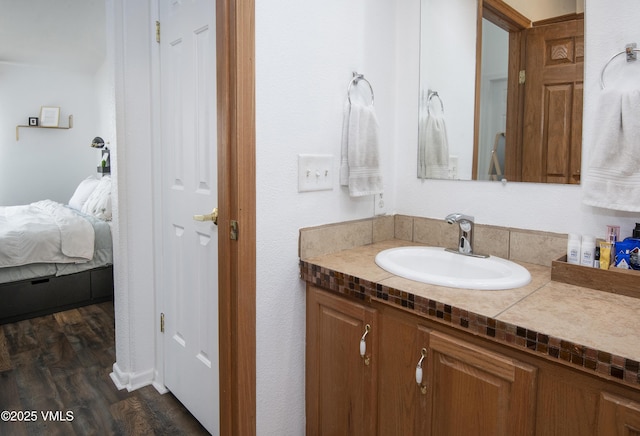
[(632, 54), (356, 78), (435, 94)]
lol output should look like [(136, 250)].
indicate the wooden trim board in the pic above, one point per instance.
[(236, 193)]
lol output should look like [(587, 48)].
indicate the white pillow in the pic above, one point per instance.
[(99, 202), (82, 192)]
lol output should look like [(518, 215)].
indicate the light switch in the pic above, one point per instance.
[(315, 172)]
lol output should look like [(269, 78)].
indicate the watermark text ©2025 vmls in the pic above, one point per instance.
[(35, 415)]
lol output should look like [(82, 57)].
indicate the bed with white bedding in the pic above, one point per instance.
[(55, 256)]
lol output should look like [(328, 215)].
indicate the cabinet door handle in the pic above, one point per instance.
[(363, 344), (423, 354)]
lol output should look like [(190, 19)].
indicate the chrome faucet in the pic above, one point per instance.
[(465, 236)]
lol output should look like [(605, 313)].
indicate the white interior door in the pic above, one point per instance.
[(189, 187)]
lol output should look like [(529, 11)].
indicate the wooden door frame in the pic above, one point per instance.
[(235, 41)]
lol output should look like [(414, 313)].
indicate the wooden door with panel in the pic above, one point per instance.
[(341, 365), (475, 391), (618, 416), (402, 391), (552, 136)]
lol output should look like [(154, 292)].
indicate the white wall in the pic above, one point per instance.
[(132, 47), (45, 163), (106, 104), (305, 53), (495, 63)]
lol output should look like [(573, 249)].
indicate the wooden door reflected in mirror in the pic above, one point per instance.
[(539, 106)]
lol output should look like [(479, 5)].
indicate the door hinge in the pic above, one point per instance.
[(234, 230), (162, 323), (522, 77), (158, 32)]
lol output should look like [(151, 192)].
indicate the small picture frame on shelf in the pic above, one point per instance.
[(33, 121), (49, 116)]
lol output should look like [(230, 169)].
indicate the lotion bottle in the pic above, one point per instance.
[(587, 250), (573, 249)]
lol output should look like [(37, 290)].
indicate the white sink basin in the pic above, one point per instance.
[(436, 266)]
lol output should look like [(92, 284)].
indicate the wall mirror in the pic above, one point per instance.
[(501, 90)]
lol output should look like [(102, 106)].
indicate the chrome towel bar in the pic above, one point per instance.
[(432, 94), (357, 78), (632, 54)]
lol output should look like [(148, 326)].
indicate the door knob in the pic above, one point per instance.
[(213, 216)]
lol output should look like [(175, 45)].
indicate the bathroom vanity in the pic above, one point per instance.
[(388, 356)]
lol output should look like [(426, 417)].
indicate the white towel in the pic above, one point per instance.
[(433, 145), (422, 136), (360, 161), (613, 176)]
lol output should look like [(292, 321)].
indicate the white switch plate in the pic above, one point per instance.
[(315, 172)]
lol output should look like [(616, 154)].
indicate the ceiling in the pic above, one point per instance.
[(61, 34)]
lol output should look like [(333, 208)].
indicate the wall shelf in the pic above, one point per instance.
[(70, 126)]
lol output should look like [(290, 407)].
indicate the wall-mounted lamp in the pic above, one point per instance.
[(105, 164)]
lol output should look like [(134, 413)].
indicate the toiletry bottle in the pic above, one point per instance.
[(636, 232), (613, 234), (596, 259), (573, 249), (605, 254), (587, 250)]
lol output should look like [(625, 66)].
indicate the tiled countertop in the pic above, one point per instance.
[(592, 329)]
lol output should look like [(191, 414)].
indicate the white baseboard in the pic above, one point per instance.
[(158, 382), (119, 378), (162, 389), (131, 381), (140, 379)]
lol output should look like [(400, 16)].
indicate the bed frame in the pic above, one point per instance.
[(45, 295)]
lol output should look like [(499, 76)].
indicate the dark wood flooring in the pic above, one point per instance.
[(58, 365)]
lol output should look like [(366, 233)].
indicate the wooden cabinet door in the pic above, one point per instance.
[(402, 404), (340, 389), (474, 391), (552, 131), (618, 416)]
